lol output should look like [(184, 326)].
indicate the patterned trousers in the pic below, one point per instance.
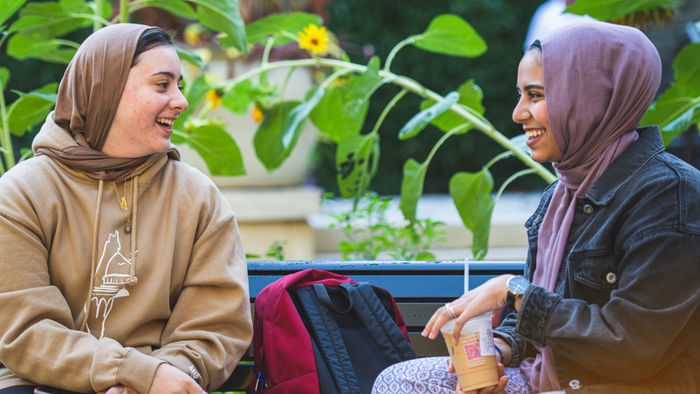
[(429, 375)]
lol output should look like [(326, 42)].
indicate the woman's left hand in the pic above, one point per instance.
[(118, 389), (488, 297), (502, 381)]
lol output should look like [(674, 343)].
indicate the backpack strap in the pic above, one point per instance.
[(375, 317), (331, 344)]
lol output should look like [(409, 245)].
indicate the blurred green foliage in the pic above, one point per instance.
[(364, 24)]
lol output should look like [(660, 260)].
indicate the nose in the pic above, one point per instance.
[(178, 101), (520, 112)]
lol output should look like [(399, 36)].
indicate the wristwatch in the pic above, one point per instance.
[(516, 288)]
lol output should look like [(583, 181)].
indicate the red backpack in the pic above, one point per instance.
[(299, 328)]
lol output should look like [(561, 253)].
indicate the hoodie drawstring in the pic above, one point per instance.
[(93, 258), (134, 203), (132, 280)]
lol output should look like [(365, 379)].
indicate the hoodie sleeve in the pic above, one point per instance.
[(38, 338), (210, 327)]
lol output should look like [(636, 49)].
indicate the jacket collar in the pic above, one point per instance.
[(626, 165)]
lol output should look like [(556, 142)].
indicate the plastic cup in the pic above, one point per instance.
[(474, 355)]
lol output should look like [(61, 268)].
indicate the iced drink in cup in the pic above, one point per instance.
[(474, 356)]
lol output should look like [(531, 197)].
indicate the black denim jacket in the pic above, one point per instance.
[(624, 315)]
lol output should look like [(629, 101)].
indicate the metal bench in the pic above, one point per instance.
[(419, 288)]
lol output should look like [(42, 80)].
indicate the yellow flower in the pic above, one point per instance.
[(314, 39), (214, 96), (258, 114)]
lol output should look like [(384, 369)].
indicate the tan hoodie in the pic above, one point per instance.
[(174, 289)]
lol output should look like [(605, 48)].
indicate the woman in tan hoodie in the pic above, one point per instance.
[(122, 268)]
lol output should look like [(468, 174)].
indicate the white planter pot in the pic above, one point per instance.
[(242, 128)]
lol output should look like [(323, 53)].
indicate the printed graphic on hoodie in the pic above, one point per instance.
[(111, 279)]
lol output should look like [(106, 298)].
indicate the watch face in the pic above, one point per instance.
[(517, 285)]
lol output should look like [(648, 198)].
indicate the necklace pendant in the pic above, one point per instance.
[(127, 228)]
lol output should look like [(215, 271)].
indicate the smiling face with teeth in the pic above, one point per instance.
[(531, 109), (150, 103)]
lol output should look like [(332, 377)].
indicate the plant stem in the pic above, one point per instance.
[(124, 11), (511, 179), (442, 141), (498, 157), (98, 12), (5, 139), (286, 80), (395, 50), (67, 43), (388, 108), (414, 87)]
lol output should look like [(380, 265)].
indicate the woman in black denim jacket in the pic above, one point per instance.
[(614, 246)]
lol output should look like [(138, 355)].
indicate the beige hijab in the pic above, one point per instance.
[(88, 97)]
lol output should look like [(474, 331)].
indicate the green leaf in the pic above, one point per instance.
[(293, 123), (219, 151), (686, 68), (418, 122), (4, 77), (341, 113), (276, 25), (268, 138), (238, 98), (106, 9), (674, 112), (470, 95), (520, 142), (223, 15), (195, 93), (31, 109), (75, 6), (679, 106), (425, 256), (190, 57), (356, 162), (23, 47), (175, 7), (56, 19), (8, 8), (471, 193), (411, 187), (609, 10), (451, 35)]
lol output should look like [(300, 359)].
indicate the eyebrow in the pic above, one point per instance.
[(534, 86), (168, 74)]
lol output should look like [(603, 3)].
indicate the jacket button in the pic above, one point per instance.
[(575, 384), (611, 277), (588, 209)]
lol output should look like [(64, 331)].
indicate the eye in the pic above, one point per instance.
[(163, 84), (535, 95)]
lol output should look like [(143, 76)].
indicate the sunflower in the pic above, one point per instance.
[(258, 114), (314, 38), (214, 96)]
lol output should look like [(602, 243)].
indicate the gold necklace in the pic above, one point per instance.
[(123, 204)]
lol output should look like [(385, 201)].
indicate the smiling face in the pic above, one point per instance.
[(531, 110), (149, 105)]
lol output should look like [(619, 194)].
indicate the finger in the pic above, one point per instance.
[(438, 320)]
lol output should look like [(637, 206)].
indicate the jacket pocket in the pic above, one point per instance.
[(595, 275)]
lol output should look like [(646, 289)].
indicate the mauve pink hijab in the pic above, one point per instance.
[(599, 80)]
